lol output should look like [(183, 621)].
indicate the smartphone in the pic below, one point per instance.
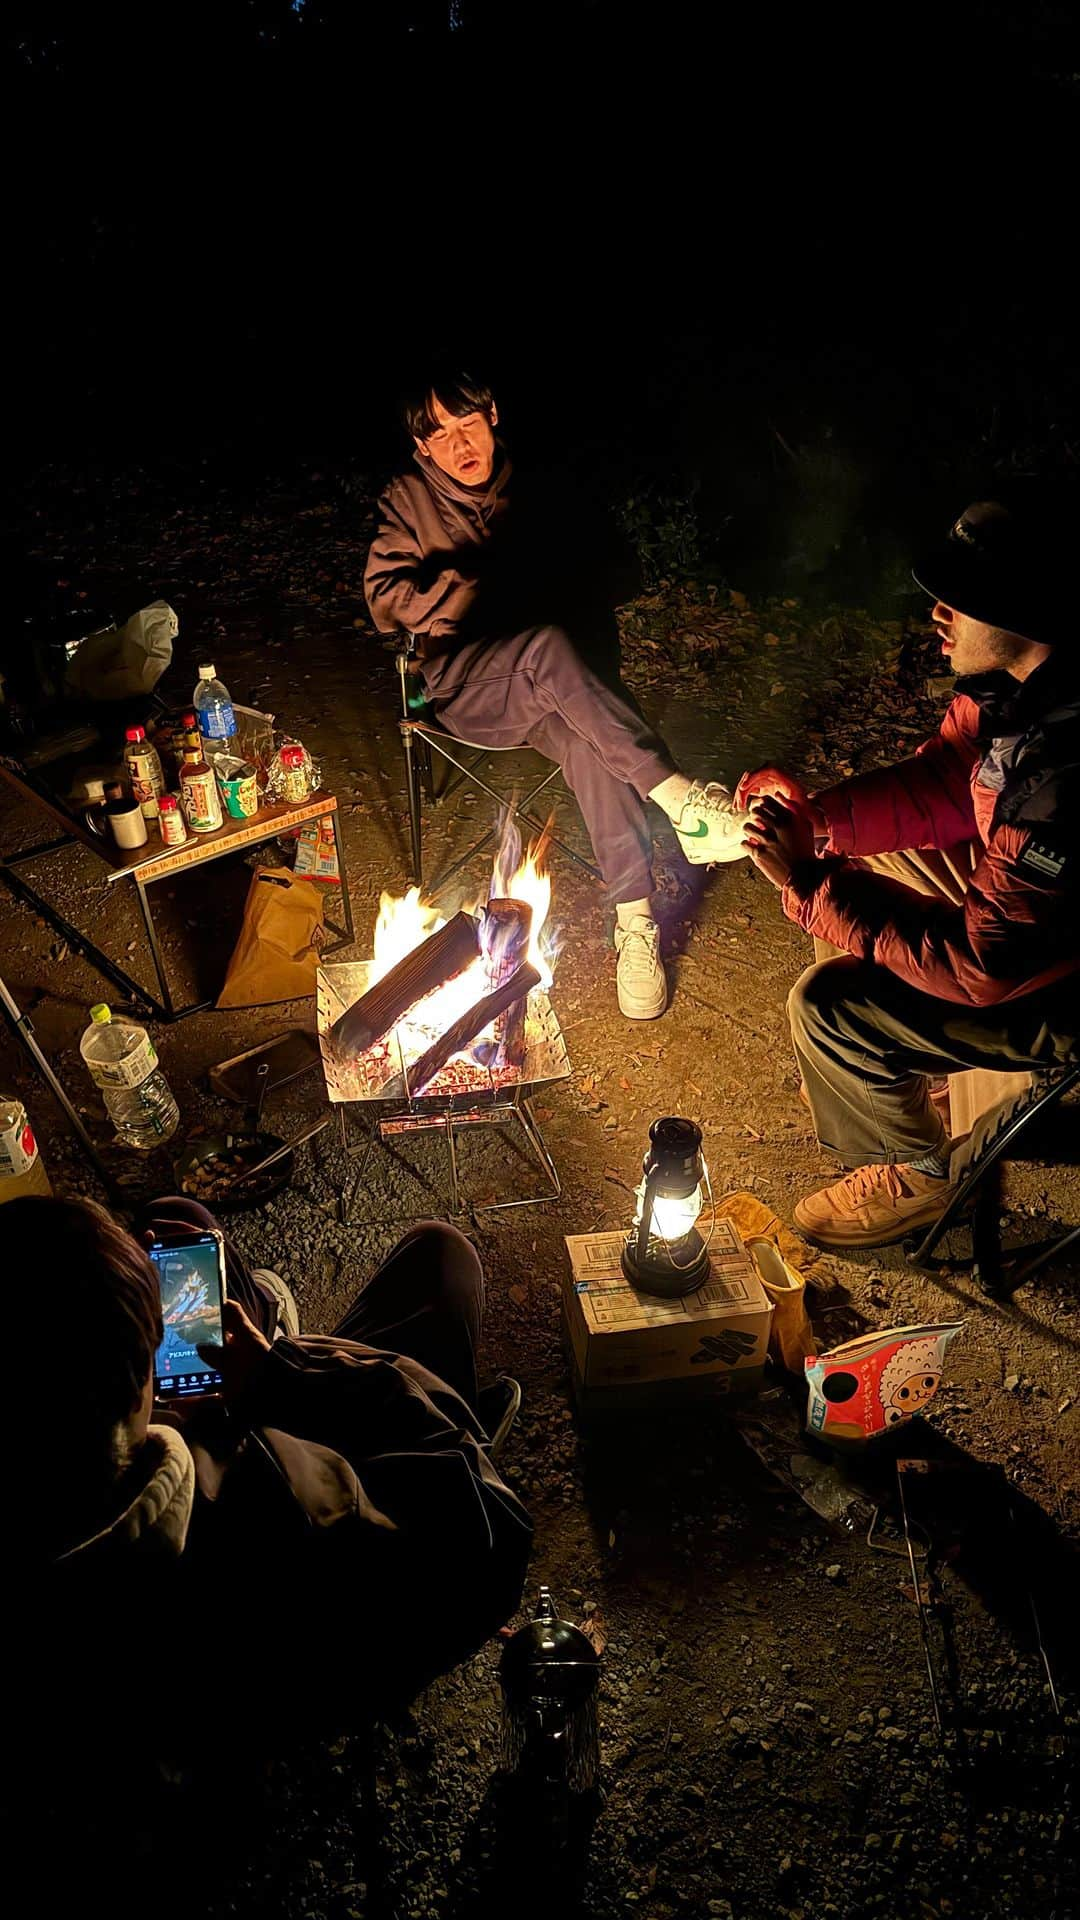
[(191, 1278)]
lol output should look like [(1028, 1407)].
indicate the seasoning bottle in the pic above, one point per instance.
[(171, 821), (144, 771), (295, 783), (199, 794), (21, 1170)]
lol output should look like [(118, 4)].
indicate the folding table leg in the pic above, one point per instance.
[(155, 951)]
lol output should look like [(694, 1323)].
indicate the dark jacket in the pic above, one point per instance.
[(324, 1552), (451, 563), (1003, 769)]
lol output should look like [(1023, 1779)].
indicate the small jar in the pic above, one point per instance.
[(295, 781), (171, 821)]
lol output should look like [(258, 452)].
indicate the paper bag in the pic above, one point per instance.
[(277, 954)]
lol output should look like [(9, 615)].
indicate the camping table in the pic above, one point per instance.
[(146, 865)]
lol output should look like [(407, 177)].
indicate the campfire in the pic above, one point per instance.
[(447, 1007)]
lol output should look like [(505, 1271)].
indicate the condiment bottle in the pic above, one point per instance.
[(199, 794), (295, 784), (171, 821), (144, 771), (21, 1170)]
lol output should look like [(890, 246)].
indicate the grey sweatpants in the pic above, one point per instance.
[(534, 689), (868, 1045)]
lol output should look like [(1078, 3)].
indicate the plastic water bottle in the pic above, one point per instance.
[(123, 1064), (213, 705), (21, 1170)]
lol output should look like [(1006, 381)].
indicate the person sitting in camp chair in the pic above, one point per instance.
[(466, 561), (949, 885)]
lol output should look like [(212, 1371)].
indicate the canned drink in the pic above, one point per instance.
[(202, 803)]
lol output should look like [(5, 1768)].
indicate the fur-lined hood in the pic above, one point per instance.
[(156, 1519)]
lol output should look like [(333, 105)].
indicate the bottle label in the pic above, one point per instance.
[(217, 722), (147, 780), (18, 1149), (202, 802), (131, 1071)]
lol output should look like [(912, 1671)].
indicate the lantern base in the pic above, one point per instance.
[(659, 1273)]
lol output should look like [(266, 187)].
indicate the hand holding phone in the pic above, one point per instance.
[(243, 1353), (191, 1277)]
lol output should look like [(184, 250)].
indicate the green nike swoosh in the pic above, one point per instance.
[(699, 832)]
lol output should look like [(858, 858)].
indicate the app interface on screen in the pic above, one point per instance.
[(191, 1310)]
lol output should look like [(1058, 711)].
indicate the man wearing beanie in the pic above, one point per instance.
[(946, 887)]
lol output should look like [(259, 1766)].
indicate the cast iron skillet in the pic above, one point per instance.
[(252, 1193)]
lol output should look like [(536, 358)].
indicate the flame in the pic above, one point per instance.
[(532, 884), (402, 925), (405, 921)]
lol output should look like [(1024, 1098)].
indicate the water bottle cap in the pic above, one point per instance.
[(101, 1015), (166, 802), (207, 672), (135, 733)]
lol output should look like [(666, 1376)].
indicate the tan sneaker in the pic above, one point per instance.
[(640, 976), (872, 1207)]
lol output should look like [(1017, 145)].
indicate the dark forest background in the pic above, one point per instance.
[(740, 253)]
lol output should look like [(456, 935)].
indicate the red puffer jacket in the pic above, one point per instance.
[(1005, 767)]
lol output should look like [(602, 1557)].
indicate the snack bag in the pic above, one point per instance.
[(868, 1385)]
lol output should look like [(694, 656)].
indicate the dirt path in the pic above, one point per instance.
[(767, 1741)]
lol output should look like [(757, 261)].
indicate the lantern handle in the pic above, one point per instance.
[(648, 1205)]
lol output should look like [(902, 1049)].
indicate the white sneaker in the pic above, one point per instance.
[(709, 828), (288, 1312), (640, 975)]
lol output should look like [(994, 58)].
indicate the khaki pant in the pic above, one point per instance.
[(869, 1046)]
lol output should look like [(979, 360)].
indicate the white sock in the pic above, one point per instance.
[(671, 795), (627, 910)]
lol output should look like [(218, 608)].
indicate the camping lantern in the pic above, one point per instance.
[(664, 1252)]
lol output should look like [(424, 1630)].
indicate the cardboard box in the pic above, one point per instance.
[(629, 1347)]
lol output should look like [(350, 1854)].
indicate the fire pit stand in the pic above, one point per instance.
[(428, 1115), (462, 1096)]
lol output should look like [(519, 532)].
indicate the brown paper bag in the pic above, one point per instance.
[(281, 938)]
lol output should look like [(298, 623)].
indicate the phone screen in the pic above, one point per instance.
[(191, 1277)]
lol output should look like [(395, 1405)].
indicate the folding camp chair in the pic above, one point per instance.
[(995, 1139), (421, 738)]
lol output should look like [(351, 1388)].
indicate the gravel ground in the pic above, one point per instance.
[(767, 1741)]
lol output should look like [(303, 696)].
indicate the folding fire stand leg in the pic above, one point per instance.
[(449, 1121)]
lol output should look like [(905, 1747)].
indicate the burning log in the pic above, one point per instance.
[(437, 959), (457, 1036), (504, 938)]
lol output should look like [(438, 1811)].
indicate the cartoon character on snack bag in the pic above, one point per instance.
[(909, 1379)]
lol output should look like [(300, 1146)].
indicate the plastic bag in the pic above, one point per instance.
[(125, 661), (867, 1386)]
